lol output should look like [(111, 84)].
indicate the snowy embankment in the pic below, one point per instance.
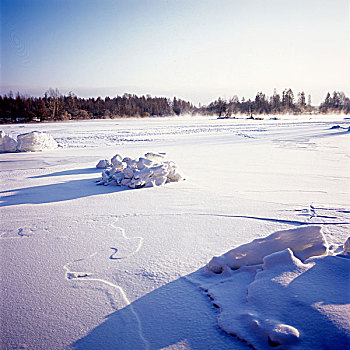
[(283, 290), (34, 141), (105, 267)]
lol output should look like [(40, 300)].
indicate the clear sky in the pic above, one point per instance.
[(194, 49)]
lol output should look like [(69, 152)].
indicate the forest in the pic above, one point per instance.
[(54, 106)]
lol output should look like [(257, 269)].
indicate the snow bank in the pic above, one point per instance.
[(151, 170), (7, 143), (280, 296), (35, 141)]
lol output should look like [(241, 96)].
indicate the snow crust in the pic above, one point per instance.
[(7, 143), (35, 141), (281, 295), (151, 170)]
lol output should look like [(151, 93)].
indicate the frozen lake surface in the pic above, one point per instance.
[(107, 267)]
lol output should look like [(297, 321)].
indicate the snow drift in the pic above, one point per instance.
[(35, 141), (7, 143), (304, 242), (151, 170), (284, 292)]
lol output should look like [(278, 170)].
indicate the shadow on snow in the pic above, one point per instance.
[(181, 313), (178, 312), (58, 192), (70, 172)]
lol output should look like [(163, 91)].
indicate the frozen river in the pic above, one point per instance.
[(107, 267)]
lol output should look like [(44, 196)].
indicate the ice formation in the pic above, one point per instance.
[(151, 170), (7, 143), (35, 141), (103, 164), (284, 293)]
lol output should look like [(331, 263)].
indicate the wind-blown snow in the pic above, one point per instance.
[(282, 295), (152, 170)]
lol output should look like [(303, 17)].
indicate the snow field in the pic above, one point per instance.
[(89, 267)]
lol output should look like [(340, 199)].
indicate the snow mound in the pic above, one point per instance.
[(304, 242), (280, 296), (7, 143), (151, 170), (35, 141)]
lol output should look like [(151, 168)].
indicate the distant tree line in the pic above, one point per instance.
[(56, 107), (278, 104)]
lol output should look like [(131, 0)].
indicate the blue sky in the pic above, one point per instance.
[(194, 49)]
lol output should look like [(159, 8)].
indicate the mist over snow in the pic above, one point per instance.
[(251, 250)]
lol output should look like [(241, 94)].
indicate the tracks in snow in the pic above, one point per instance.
[(88, 277)]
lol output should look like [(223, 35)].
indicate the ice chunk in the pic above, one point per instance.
[(116, 159), (7, 143), (118, 166), (103, 164), (128, 173), (125, 182), (175, 176), (132, 164), (303, 241), (159, 181), (146, 162), (156, 157), (35, 141), (159, 171), (346, 247), (118, 177)]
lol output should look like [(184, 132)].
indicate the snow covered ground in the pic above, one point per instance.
[(109, 267)]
